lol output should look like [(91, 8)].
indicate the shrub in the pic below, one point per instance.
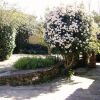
[(7, 41), (35, 49), (34, 63), (22, 36), (7, 34), (69, 31)]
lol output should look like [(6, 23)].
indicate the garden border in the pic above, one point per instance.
[(29, 77)]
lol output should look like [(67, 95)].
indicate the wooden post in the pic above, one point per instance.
[(85, 59), (92, 63)]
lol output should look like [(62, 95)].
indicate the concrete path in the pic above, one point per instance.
[(85, 87)]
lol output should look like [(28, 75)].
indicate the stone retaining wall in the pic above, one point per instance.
[(29, 77)]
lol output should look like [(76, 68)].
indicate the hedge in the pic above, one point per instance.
[(7, 41)]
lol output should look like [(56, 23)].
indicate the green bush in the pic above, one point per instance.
[(7, 41), (35, 49), (71, 32), (34, 63)]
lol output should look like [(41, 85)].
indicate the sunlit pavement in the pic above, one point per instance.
[(59, 89), (86, 87)]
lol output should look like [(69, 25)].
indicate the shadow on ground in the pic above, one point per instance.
[(71, 91), (28, 92), (93, 91)]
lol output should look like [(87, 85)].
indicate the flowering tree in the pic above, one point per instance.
[(68, 30)]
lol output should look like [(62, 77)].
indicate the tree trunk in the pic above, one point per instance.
[(49, 50), (68, 60)]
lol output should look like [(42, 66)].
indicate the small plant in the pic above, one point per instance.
[(34, 63), (70, 73)]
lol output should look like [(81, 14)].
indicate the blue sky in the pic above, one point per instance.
[(38, 7)]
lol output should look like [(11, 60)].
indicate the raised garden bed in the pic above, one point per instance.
[(29, 77)]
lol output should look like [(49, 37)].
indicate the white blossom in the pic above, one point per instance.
[(64, 31)]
